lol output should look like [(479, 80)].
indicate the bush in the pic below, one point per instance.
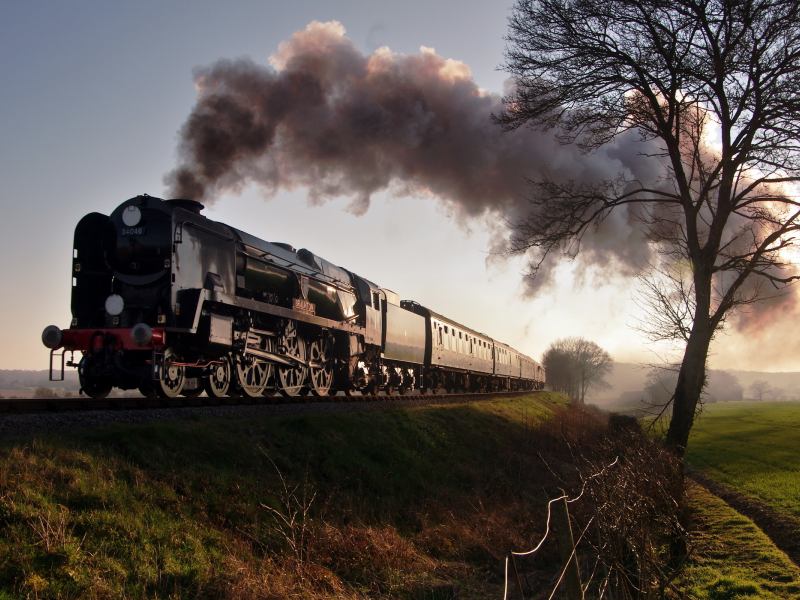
[(633, 514)]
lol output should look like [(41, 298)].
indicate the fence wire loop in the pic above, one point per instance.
[(547, 528)]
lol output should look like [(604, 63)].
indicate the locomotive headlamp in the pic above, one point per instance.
[(114, 305), (141, 335), (131, 215), (52, 337)]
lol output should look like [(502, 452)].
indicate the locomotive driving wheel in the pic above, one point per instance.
[(217, 382), (173, 375), (291, 380), (252, 374), (320, 368)]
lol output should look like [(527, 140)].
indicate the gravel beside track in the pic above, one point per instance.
[(78, 415)]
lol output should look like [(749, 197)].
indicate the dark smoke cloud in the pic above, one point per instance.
[(327, 118)]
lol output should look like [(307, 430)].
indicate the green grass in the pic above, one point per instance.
[(752, 446), (734, 560), (408, 502), (175, 509)]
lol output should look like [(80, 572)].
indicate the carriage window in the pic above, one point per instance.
[(445, 328), (440, 335)]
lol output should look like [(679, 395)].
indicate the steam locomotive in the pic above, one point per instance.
[(171, 303)]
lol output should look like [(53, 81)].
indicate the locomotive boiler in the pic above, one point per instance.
[(171, 303)]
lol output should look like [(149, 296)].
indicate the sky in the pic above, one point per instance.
[(93, 98)]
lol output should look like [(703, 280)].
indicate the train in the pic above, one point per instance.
[(169, 302)]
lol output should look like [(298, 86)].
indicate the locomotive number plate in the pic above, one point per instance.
[(304, 306), (133, 231)]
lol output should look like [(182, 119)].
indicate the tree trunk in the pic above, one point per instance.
[(691, 380)]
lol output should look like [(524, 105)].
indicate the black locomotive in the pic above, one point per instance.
[(169, 302)]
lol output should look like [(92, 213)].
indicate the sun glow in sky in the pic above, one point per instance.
[(95, 93)]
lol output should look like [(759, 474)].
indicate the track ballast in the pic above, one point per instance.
[(50, 405)]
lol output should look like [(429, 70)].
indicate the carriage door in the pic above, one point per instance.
[(438, 341)]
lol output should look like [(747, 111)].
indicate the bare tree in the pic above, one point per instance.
[(577, 367), (680, 73), (759, 388), (557, 361)]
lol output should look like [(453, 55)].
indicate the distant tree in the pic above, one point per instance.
[(678, 73), (577, 367), (778, 394), (760, 388), (558, 365), (724, 387), (660, 385), (593, 365), (43, 392)]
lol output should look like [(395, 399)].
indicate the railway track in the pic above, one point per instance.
[(59, 405)]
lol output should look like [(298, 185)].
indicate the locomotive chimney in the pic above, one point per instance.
[(190, 205)]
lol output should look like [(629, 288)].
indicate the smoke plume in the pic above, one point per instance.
[(327, 118)]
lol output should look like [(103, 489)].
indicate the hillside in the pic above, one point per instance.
[(406, 504)]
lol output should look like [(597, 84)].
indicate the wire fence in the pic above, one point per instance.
[(630, 517), (510, 556)]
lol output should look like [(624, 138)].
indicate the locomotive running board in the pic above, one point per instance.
[(271, 309)]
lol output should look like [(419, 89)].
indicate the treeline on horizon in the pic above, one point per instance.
[(18, 379), (723, 386)]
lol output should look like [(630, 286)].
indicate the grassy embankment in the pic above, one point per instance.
[(754, 447), (407, 502), (418, 503)]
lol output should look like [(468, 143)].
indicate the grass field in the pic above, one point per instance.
[(734, 560), (754, 447)]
